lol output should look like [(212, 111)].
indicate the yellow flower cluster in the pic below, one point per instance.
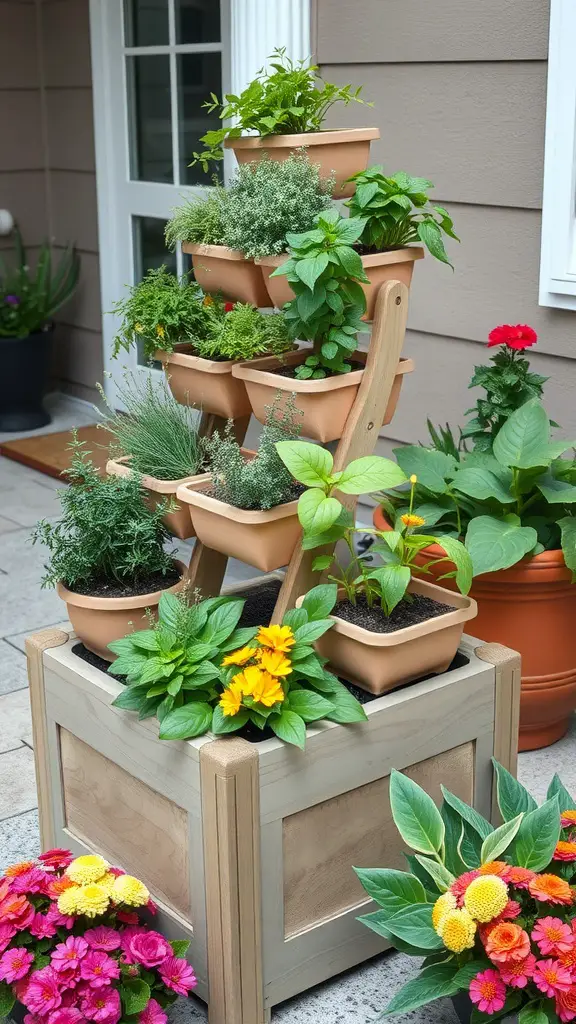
[(262, 669), (457, 930), (444, 903), (94, 888), (486, 897)]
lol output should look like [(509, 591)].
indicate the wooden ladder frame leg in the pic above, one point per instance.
[(363, 425), (35, 647)]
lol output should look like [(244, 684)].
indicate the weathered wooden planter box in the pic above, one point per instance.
[(249, 847)]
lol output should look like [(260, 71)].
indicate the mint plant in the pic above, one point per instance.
[(324, 271)]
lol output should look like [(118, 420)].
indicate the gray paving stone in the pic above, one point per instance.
[(25, 607), (28, 501), (13, 675), (15, 719), (7, 525), (19, 838), (17, 782)]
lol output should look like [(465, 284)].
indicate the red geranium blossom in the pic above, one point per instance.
[(228, 307), (518, 336)]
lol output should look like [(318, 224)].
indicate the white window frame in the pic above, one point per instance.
[(558, 248)]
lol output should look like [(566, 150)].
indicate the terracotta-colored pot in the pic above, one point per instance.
[(220, 269), (263, 539), (178, 522), (531, 608), (279, 291), (325, 404), (379, 267), (206, 383), (340, 152), (380, 661), (97, 621)]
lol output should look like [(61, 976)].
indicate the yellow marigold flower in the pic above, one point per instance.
[(275, 663), (486, 897), (139, 328), (91, 900), (160, 330), (68, 900), (277, 638), (240, 657), (248, 679), (410, 519), (87, 868), (267, 690), (444, 903), (413, 479), (130, 890), (458, 931), (231, 699)]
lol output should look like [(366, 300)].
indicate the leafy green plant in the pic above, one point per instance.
[(324, 269), (325, 520), (199, 220), (243, 332), (288, 97), (196, 670), (397, 211), (160, 435), (161, 311), (30, 298), (268, 199), (106, 532), (263, 481), (443, 439)]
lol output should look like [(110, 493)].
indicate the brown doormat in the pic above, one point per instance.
[(49, 453)]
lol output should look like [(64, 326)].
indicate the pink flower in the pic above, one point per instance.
[(147, 948), (566, 1005), (178, 975), (42, 927), (15, 964), (43, 992), (152, 907), (98, 969), (60, 920), (488, 991), (7, 932), (29, 1018), (153, 1014), (31, 881), (69, 953), (552, 936), (102, 1004), (65, 1015), (550, 977), (116, 872), (102, 937), (56, 858), (517, 973), (68, 978)]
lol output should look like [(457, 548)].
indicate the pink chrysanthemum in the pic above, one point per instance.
[(102, 937), (7, 933), (552, 936), (520, 877), (153, 1014), (98, 969), (69, 953), (15, 964), (68, 978), (65, 1015), (32, 881), (42, 927), (178, 975), (458, 888), (550, 977), (56, 858), (102, 1005), (517, 973), (488, 992), (60, 920), (43, 992)]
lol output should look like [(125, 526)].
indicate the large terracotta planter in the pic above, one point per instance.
[(531, 608), (278, 289), (325, 404), (207, 383), (177, 522), (340, 152), (220, 269), (97, 621), (378, 662), (265, 540)]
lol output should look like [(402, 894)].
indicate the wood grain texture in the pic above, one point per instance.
[(508, 671), (126, 821), (322, 842)]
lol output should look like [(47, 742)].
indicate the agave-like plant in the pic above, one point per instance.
[(29, 297)]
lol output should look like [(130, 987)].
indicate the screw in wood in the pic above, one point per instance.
[(398, 300)]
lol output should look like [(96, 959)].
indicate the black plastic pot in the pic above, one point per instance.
[(24, 365)]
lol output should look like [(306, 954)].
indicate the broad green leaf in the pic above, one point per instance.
[(415, 815), (429, 233), (414, 925), (377, 922), (133, 698), (135, 995), (433, 983), (310, 464), (393, 581), (441, 876), (481, 483), (185, 723), (532, 1014), (470, 846), (391, 889), (146, 639), (431, 467), (309, 705), (222, 724), (566, 802), (495, 544), (179, 946), (453, 826), (289, 727), (239, 638), (198, 652), (294, 618), (418, 871), (481, 826), (557, 492), (308, 270), (347, 709), (499, 840), (7, 999), (512, 797), (523, 440), (316, 512), (458, 554), (322, 562), (468, 972), (312, 631), (372, 473), (170, 610), (537, 836), (568, 532)]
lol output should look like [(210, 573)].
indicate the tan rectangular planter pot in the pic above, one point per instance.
[(207, 383), (325, 404), (381, 661), (220, 269), (265, 540), (340, 152), (248, 847), (179, 522)]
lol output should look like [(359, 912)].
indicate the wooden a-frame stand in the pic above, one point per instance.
[(207, 567)]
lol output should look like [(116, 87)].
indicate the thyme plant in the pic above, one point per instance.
[(243, 332), (199, 220)]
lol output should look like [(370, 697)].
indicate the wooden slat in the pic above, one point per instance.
[(35, 647), (507, 665)]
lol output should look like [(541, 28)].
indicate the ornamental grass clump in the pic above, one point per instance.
[(491, 909), (74, 944), (199, 220), (106, 534), (242, 332), (160, 311)]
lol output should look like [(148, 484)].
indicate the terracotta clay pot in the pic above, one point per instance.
[(265, 540), (206, 383), (379, 267), (531, 608), (278, 289), (97, 621), (178, 522), (220, 269), (325, 404), (378, 662), (340, 152)]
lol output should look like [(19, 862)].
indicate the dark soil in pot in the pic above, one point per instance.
[(260, 603), (149, 584), (406, 613), (25, 363), (290, 371)]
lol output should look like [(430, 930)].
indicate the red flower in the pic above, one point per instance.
[(228, 307), (519, 337)]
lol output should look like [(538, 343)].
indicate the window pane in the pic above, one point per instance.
[(150, 118), (199, 74), (146, 22), (150, 253), (197, 21)]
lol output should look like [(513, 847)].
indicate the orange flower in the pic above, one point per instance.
[(550, 889), (57, 886), (520, 877), (506, 942), (568, 958), (19, 869), (566, 1004), (12, 907), (568, 819), (275, 662), (565, 851), (495, 867)]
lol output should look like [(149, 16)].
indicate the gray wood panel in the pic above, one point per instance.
[(78, 357), (73, 209), (476, 130), (84, 309), (70, 129), (66, 43), (24, 194), (18, 55), (378, 31), (21, 148)]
